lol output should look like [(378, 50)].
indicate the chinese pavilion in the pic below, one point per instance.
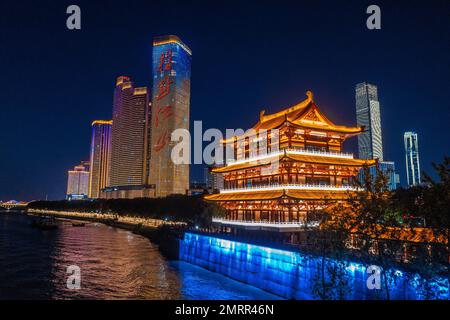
[(310, 171)]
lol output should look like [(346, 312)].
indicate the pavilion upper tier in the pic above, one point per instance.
[(305, 115)]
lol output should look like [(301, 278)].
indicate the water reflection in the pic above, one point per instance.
[(115, 264)]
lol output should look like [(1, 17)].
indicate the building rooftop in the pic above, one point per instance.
[(161, 40), (305, 114)]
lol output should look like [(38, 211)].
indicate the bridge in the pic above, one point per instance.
[(12, 204)]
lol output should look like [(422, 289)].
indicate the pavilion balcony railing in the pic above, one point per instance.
[(277, 187), (292, 151), (320, 153), (266, 223)]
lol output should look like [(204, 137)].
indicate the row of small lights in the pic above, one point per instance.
[(275, 187), (126, 219), (264, 223), (292, 151)]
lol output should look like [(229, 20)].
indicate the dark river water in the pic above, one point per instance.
[(114, 264)]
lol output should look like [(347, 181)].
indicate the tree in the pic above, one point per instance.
[(366, 218)]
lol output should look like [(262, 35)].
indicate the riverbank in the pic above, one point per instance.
[(165, 234)]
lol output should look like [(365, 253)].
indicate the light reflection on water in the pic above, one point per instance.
[(115, 264)]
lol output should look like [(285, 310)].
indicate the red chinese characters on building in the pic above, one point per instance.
[(163, 113), (164, 87), (165, 61), (162, 140), (165, 65)]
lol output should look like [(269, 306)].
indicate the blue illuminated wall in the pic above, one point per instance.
[(285, 273)]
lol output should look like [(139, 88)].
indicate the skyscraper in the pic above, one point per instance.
[(129, 145), (170, 104), (388, 169), (100, 157), (370, 144), (77, 183), (214, 181), (412, 158)]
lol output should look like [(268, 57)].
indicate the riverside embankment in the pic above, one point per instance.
[(161, 232)]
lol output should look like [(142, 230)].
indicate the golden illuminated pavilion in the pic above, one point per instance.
[(299, 169)]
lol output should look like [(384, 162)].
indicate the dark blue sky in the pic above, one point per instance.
[(247, 55)]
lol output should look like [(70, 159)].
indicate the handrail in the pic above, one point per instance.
[(292, 186), (266, 223), (294, 151)]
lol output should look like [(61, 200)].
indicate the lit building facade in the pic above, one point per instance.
[(170, 105), (412, 158), (370, 143), (213, 180), (77, 183), (301, 171), (388, 170), (129, 141), (100, 157)]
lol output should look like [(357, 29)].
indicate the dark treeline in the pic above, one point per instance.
[(190, 209), (430, 201)]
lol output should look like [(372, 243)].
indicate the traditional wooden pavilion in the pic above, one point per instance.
[(298, 169)]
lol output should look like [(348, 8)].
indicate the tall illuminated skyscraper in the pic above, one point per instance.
[(412, 158), (77, 183), (370, 143), (129, 140), (170, 105), (100, 157)]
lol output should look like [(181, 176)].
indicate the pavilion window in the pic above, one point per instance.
[(318, 180), (312, 147)]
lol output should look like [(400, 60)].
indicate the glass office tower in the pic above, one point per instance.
[(370, 144)]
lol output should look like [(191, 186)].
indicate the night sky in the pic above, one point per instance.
[(247, 56)]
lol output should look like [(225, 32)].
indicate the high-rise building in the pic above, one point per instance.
[(388, 170), (412, 158), (77, 183), (214, 181), (170, 105), (129, 140), (370, 144), (86, 164), (100, 156)]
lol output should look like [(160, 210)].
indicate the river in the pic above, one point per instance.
[(114, 264)]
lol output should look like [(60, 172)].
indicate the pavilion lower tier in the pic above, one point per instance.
[(276, 211), (278, 206)]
